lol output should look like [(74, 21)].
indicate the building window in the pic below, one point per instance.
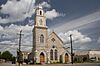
[(51, 54), (40, 12), (56, 55), (53, 39), (53, 46), (41, 39)]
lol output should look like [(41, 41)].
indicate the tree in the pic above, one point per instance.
[(13, 58), (7, 56), (0, 55)]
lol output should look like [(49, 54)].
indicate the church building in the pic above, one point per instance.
[(47, 48)]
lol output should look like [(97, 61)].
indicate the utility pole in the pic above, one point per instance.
[(71, 48), (19, 52)]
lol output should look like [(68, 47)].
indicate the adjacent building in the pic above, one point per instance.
[(25, 55), (94, 55), (87, 55)]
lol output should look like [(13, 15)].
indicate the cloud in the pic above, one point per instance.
[(17, 10), (45, 4), (10, 32), (6, 42), (53, 14), (77, 23), (10, 37), (98, 40), (77, 37), (1, 28), (20, 10)]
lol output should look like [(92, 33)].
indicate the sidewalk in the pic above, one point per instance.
[(75, 64)]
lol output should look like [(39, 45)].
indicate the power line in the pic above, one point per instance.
[(7, 44), (10, 46), (15, 44), (30, 6)]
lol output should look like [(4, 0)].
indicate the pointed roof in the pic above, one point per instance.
[(56, 36)]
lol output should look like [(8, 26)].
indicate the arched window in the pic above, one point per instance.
[(40, 12), (56, 55), (42, 39), (51, 54)]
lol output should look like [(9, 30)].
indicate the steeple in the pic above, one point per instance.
[(40, 20), (39, 11)]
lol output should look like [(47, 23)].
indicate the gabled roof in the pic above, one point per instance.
[(56, 36)]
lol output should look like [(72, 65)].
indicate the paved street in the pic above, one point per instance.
[(7, 64), (82, 64)]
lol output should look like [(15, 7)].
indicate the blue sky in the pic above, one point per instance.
[(78, 17)]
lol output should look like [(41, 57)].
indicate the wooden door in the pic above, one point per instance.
[(42, 58), (66, 58)]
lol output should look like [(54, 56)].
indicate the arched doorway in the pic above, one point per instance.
[(66, 58), (42, 57)]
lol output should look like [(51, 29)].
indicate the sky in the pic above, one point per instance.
[(81, 18)]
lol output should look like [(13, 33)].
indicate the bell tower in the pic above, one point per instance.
[(40, 30), (40, 20)]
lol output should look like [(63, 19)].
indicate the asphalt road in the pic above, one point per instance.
[(82, 64), (7, 64)]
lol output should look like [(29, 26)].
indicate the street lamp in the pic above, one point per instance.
[(71, 48)]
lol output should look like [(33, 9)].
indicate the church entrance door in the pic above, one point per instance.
[(42, 58), (66, 58)]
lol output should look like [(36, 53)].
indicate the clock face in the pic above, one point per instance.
[(40, 21)]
